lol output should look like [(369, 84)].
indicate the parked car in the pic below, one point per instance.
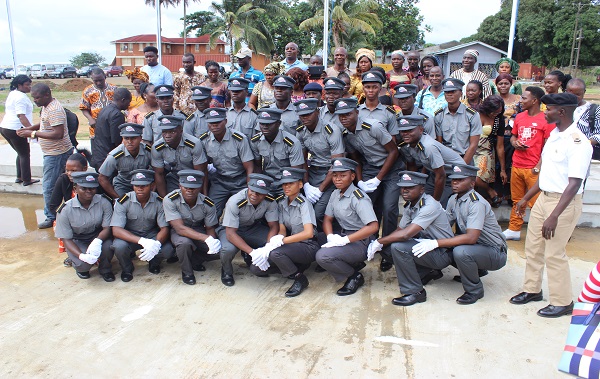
[(21, 70), (42, 70), (86, 70), (113, 70), (65, 72), (3, 72)]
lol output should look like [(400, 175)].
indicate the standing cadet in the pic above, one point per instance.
[(240, 117), (479, 243), (196, 122), (274, 148), (294, 248), (323, 142), (344, 253), (83, 223), (230, 154), (193, 220), (419, 149), (128, 156), (173, 152), (249, 221), (406, 94), (164, 97), (282, 91), (456, 125), (423, 217), (334, 90), (372, 107), (138, 222)]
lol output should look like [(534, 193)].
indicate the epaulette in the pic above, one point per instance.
[(118, 154), (150, 114), (425, 118), (358, 193), (279, 197), (107, 197), (471, 110), (203, 136), (256, 137), (242, 203), (208, 201), (288, 141), (123, 199), (366, 125), (328, 129), (189, 143), (421, 202), (576, 138), (402, 143), (406, 204), (159, 198), (185, 116), (174, 195), (253, 110), (160, 146), (420, 146), (237, 136), (299, 127), (299, 199), (474, 197), (269, 197), (345, 131), (440, 110), (189, 117), (147, 147), (391, 109), (60, 208)]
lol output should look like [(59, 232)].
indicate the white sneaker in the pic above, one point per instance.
[(512, 235)]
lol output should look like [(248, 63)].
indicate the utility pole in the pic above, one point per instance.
[(12, 37), (578, 50), (575, 32)]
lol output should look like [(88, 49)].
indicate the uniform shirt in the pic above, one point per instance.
[(429, 215), (296, 214), (329, 117), (565, 155), (240, 214), (73, 221), (228, 155), (322, 143), (284, 151), (142, 221), (353, 210), (158, 74), (152, 132), (122, 161), (182, 95), (386, 115), (253, 75), (202, 214), (428, 124), (243, 121), (368, 139), (289, 118), (428, 102), (456, 129), (196, 124), (474, 212), (107, 134), (430, 153), (189, 153)]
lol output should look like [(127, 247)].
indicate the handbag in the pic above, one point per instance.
[(581, 356)]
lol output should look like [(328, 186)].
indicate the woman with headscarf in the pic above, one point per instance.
[(262, 94), (398, 75), (136, 115), (364, 62), (510, 67), (137, 77), (427, 63)]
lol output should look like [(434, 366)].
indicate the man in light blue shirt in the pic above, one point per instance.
[(158, 73), (246, 70), (291, 58)]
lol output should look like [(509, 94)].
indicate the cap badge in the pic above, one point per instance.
[(450, 83), (163, 89), (139, 175), (330, 82), (369, 75), (337, 163), (302, 106), (286, 173), (342, 104), (265, 115), (281, 80), (213, 113), (190, 178), (457, 169), (129, 128), (90, 178), (165, 121), (236, 82), (402, 89), (403, 121), (406, 177), (261, 183), (197, 92)]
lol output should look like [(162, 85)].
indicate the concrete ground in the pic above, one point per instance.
[(53, 324)]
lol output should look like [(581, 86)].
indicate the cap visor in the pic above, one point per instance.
[(200, 97), (458, 176), (344, 111), (191, 185), (262, 190), (340, 169), (404, 184), (267, 121), (89, 185), (139, 183)]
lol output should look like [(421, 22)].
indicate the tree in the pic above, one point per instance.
[(203, 22), (85, 59), (285, 29)]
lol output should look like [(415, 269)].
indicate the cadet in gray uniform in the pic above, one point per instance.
[(293, 249), (479, 243), (195, 124), (419, 149), (274, 148), (193, 221), (138, 222), (229, 152), (83, 223), (323, 142), (423, 217), (164, 97), (334, 90), (128, 156), (344, 253), (372, 108), (173, 152), (406, 95), (456, 125), (282, 91), (249, 221), (240, 117)]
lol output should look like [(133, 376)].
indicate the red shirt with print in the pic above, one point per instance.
[(531, 131)]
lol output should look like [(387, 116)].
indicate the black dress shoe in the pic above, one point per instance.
[(352, 284), (31, 182), (47, 223), (410, 299), (154, 269), (319, 269), (18, 181), (526, 297), (108, 277), (126, 277), (199, 267), (188, 279), (553, 311), (480, 272), (468, 298), (227, 279), (385, 264), (173, 260), (83, 274), (300, 283), (247, 258), (359, 266), (431, 275)]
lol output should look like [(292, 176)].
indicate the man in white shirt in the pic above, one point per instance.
[(158, 73)]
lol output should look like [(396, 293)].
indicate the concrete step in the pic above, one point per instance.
[(8, 185), (591, 195)]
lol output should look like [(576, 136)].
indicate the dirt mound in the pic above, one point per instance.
[(75, 85), (49, 83)]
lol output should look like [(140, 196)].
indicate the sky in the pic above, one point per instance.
[(54, 31)]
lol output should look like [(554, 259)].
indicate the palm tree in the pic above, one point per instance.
[(173, 3), (159, 32)]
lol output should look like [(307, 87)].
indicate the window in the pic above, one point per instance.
[(139, 62), (126, 62), (141, 46), (124, 47), (221, 49), (131, 46), (197, 47)]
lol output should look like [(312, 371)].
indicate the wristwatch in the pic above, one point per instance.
[(536, 170), (33, 134)]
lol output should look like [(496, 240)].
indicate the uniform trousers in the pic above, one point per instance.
[(291, 258), (316, 176), (222, 188), (339, 261), (385, 197), (552, 252), (123, 250), (255, 236), (104, 262), (471, 258), (410, 269), (121, 185), (190, 252), (172, 181)]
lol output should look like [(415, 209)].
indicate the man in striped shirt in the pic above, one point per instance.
[(468, 73)]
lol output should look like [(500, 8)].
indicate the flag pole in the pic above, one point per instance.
[(12, 37)]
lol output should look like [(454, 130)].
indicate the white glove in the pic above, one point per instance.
[(371, 185), (95, 248), (362, 185), (275, 241), (374, 247), (146, 243), (424, 247), (88, 258), (312, 193), (151, 252), (214, 245), (260, 258), (336, 240), (211, 169)]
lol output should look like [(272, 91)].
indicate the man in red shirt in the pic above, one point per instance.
[(529, 134)]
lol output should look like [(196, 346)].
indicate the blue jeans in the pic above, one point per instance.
[(54, 165)]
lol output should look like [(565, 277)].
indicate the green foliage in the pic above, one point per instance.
[(85, 59), (203, 22), (285, 29)]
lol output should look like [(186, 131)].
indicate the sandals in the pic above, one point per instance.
[(31, 182)]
